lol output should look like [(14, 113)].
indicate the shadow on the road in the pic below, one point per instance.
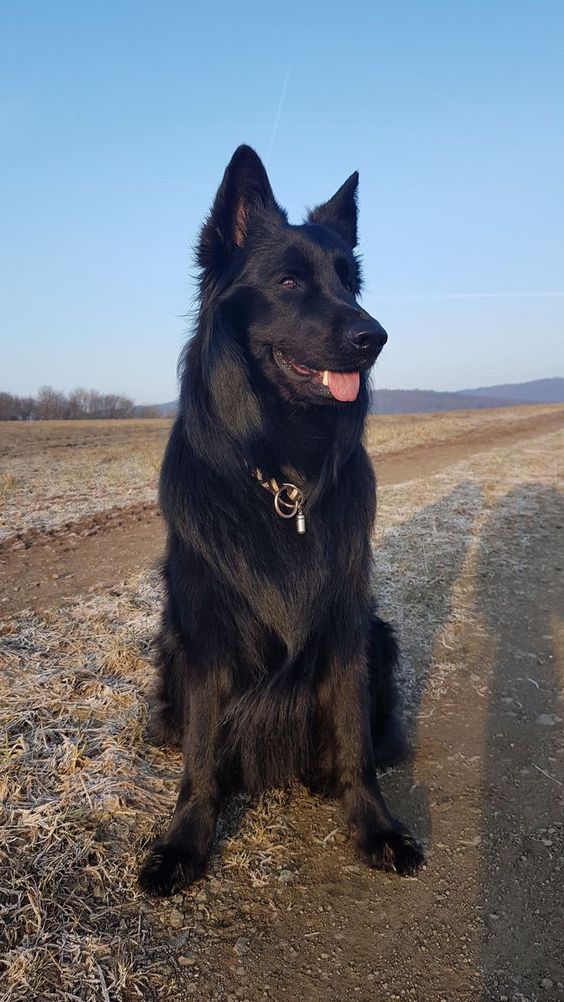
[(421, 560), (522, 890)]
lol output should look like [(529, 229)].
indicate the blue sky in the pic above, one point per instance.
[(117, 122)]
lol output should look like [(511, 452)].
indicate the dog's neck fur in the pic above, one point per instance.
[(303, 440)]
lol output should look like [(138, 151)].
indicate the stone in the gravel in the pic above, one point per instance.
[(548, 719), (187, 959), (340, 838), (202, 896), (176, 918), (286, 877), (180, 939), (547, 983), (241, 946), (351, 869)]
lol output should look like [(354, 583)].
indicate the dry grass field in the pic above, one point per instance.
[(54, 472), (468, 563)]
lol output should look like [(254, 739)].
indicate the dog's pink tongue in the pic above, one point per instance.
[(343, 385)]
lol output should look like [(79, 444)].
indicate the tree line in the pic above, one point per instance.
[(79, 404)]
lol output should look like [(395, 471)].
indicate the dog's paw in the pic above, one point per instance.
[(396, 850), (167, 869)]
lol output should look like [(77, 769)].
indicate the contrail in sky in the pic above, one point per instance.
[(277, 119)]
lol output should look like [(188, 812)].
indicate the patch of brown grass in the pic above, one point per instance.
[(391, 433), (7, 485), (61, 471)]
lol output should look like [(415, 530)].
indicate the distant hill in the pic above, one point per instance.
[(429, 401), (169, 409), (155, 410), (538, 391)]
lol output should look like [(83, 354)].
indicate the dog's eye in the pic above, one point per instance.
[(289, 283), (348, 286)]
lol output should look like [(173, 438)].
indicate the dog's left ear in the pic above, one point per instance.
[(340, 213), (243, 195)]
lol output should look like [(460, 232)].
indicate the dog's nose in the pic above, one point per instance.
[(368, 337)]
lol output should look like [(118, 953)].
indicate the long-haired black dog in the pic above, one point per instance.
[(272, 661)]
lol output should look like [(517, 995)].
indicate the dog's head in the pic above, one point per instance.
[(289, 293)]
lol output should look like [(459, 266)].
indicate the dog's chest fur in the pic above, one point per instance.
[(248, 574)]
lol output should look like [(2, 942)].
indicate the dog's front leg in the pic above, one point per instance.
[(182, 854), (385, 842)]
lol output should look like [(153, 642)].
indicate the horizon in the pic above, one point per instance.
[(116, 136), (373, 389), (404, 389)]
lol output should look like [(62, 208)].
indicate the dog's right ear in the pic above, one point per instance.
[(243, 193)]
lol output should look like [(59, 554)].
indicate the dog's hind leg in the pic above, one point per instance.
[(388, 735), (166, 721), (182, 854)]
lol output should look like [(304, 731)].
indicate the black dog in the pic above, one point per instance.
[(272, 661)]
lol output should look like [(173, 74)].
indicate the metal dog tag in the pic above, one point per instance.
[(288, 501)]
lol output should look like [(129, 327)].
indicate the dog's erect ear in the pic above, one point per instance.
[(340, 212), (243, 193)]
